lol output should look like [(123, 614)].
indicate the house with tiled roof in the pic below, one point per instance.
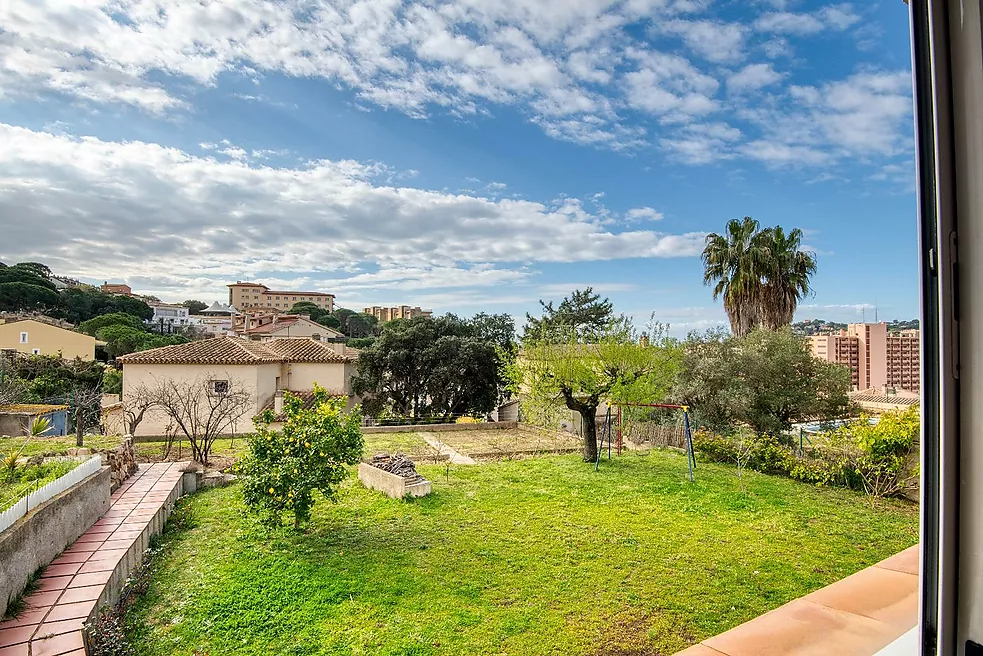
[(215, 366), (268, 327)]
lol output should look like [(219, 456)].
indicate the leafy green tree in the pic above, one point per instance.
[(112, 381), (122, 339), (767, 381), (94, 325), (284, 468), (361, 342), (35, 268), (76, 383), (328, 321), (313, 310), (360, 324), (584, 314), (588, 368), (27, 275), (81, 304), (195, 307), (342, 315), (428, 367), (496, 328), (21, 296)]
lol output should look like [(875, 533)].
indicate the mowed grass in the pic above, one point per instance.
[(55, 446), (535, 556)]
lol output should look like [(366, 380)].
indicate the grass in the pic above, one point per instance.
[(535, 556), (56, 446), (27, 478), (412, 444), (181, 448), (508, 440)]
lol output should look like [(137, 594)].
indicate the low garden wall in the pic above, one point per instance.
[(436, 428), (35, 539), (122, 462), (392, 485)]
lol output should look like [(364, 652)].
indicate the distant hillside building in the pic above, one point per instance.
[(114, 288), (251, 294), (877, 358), (384, 314), (170, 315)]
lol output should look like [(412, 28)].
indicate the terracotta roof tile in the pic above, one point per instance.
[(221, 350), (308, 350)]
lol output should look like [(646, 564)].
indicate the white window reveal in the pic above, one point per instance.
[(36, 351), (23, 338), (219, 387)]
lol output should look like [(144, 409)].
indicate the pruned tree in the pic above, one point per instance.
[(612, 367), (203, 408), (139, 400), (85, 405)]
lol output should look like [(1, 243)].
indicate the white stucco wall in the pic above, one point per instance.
[(330, 375), (259, 381)]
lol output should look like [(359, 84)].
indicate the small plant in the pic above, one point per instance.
[(284, 468)]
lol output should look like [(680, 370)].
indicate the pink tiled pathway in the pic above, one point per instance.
[(91, 572)]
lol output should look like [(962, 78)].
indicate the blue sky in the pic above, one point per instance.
[(463, 155)]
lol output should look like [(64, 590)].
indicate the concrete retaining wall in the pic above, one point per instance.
[(436, 428), (44, 532), (390, 484)]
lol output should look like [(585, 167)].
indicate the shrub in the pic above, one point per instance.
[(874, 458), (284, 468)]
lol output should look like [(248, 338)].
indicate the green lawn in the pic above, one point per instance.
[(536, 556), (26, 478), (56, 446)]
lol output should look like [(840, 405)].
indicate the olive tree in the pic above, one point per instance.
[(613, 366)]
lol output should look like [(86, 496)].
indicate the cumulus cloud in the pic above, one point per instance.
[(111, 209), (753, 77), (613, 74)]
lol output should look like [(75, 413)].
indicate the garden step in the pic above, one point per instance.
[(90, 573)]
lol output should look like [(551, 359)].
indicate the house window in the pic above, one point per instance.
[(36, 351), (23, 338), (316, 337), (219, 387)]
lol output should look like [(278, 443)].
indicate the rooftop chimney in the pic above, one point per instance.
[(278, 402)]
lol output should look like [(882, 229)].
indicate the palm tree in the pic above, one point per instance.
[(786, 276), (737, 262)]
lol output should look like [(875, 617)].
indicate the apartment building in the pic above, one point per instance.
[(244, 295), (384, 314), (876, 358), (169, 314)]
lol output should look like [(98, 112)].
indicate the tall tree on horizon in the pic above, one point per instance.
[(735, 261), (761, 274), (787, 273)]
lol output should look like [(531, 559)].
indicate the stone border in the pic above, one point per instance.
[(391, 485), (435, 428)]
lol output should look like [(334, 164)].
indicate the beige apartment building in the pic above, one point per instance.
[(876, 358), (244, 295), (384, 314), (33, 337)]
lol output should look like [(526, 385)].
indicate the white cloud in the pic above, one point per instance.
[(834, 17), (753, 77), (643, 214), (712, 40), (574, 69), (92, 207)]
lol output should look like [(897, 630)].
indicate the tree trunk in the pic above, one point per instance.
[(79, 427), (589, 421)]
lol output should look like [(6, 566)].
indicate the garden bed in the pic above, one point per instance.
[(28, 477), (536, 556)]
